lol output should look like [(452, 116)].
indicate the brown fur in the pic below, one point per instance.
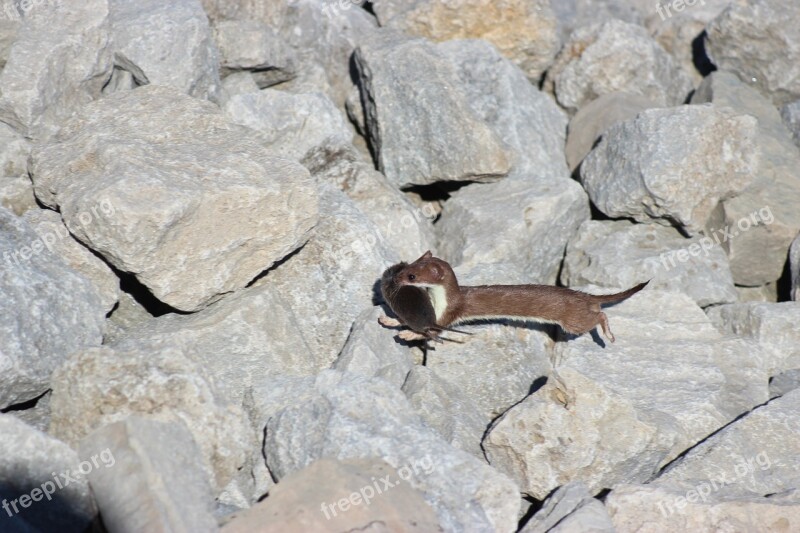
[(575, 311)]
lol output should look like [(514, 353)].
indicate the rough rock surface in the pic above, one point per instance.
[(703, 155), (39, 327), (570, 508), (620, 254), (794, 267), (218, 207)]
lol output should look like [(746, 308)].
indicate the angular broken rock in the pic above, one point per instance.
[(420, 127), (166, 43), (345, 416), (247, 45), (703, 155), (794, 266), (620, 254), (525, 31), (37, 92), (754, 39), (571, 508), (47, 310), (32, 466), (148, 477), (101, 386), (588, 66), (198, 207), (332, 495)]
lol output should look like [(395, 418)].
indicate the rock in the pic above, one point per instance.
[(291, 124), (794, 268), (764, 293), (167, 44), (570, 508), (14, 152), (645, 507), (790, 113), (39, 326), (754, 456), (253, 46), (100, 386), (238, 83), (10, 22), (151, 480), (345, 416), (420, 127), (32, 470), (764, 218), (593, 119), (36, 93), (752, 39), (447, 408), (525, 31), (216, 209), (574, 14), (704, 155), (619, 254), (372, 351), (348, 501), (16, 195), (406, 227), (128, 314), (35, 413), (588, 67), (772, 325), (784, 383), (628, 411), (52, 232)]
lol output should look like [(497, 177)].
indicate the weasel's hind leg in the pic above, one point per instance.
[(605, 326)]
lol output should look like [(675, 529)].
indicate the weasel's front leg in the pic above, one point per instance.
[(409, 335), (389, 322)]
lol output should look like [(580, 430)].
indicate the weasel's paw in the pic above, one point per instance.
[(388, 322), (409, 336)]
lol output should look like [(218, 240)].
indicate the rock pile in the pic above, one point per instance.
[(198, 197)]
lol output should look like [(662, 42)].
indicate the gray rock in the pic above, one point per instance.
[(372, 351), (754, 456), (763, 293), (593, 119), (128, 314), (32, 470), (574, 14), (55, 235), (40, 325), (100, 386), (238, 83), (149, 479), (784, 383), (166, 44), (37, 415), (421, 129), (703, 155), (619, 254), (291, 124), (36, 92), (571, 508), (10, 22), (525, 31), (447, 409), (772, 325), (790, 113), (627, 410), (764, 219), (648, 507), (16, 195), (753, 39), (253, 46), (794, 268), (588, 66), (215, 210), (345, 416), (14, 152)]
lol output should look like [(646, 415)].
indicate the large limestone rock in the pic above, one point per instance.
[(758, 40), (620, 254), (571, 508), (36, 92), (100, 386), (794, 266), (672, 165), (589, 65), (525, 31), (166, 43), (420, 128), (47, 310), (200, 207)]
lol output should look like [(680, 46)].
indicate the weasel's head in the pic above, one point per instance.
[(427, 271)]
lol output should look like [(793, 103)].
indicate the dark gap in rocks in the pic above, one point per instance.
[(602, 495), (537, 384), (369, 8), (437, 192), (129, 284), (699, 57), (536, 506), (24, 406), (596, 214), (784, 283), (275, 265)]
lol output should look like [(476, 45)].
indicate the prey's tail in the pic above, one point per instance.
[(443, 328), (618, 297)]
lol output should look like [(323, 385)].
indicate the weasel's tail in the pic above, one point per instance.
[(618, 297)]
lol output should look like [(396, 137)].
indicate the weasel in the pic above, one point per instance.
[(575, 311), (412, 306)]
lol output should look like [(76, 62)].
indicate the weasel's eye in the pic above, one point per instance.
[(411, 277)]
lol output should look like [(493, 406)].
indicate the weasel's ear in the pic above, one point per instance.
[(426, 255)]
